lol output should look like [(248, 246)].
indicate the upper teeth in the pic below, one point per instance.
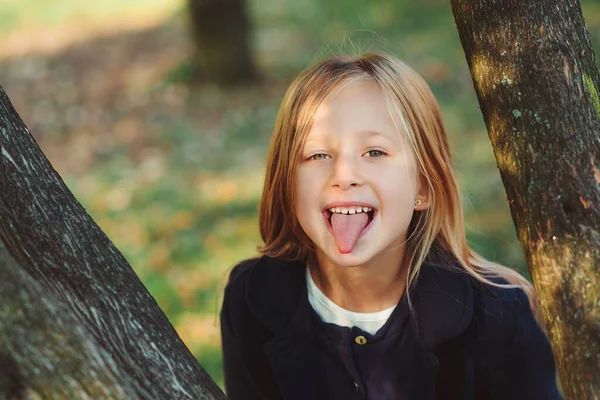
[(349, 210)]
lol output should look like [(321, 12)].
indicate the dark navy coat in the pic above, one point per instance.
[(465, 341)]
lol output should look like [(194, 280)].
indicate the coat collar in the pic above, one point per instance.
[(276, 294), (442, 298)]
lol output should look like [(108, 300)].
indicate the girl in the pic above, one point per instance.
[(367, 288)]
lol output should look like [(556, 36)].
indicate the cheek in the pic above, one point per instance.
[(399, 183), (303, 197), (300, 190), (308, 184)]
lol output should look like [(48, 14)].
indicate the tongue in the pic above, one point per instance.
[(347, 229)]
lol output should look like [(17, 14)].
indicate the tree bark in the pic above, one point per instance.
[(75, 320), (221, 32), (535, 75), (45, 350)]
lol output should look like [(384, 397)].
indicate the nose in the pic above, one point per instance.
[(346, 173)]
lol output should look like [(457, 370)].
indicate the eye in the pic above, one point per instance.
[(375, 153), (319, 156)]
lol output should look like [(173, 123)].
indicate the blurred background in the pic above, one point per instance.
[(164, 141)]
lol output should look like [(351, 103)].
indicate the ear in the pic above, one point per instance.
[(422, 200)]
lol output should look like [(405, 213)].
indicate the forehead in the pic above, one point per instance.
[(355, 107)]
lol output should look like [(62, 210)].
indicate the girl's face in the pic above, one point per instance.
[(357, 180)]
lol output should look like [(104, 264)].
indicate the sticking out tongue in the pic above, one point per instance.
[(347, 229)]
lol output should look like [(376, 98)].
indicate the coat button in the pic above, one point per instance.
[(361, 340), (356, 387)]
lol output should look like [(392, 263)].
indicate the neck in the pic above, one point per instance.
[(369, 287)]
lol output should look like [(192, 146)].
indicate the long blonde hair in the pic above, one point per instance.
[(411, 104)]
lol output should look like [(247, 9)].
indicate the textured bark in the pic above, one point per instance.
[(221, 33), (537, 82), (75, 320), (45, 351)]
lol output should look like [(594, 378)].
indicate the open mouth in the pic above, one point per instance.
[(348, 223), (370, 215)]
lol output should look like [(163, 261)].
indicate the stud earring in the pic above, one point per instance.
[(417, 203)]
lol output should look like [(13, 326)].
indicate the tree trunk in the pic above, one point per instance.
[(45, 351), (75, 320), (221, 32), (537, 82)]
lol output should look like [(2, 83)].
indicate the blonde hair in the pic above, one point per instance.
[(439, 229)]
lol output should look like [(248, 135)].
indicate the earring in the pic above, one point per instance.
[(417, 203)]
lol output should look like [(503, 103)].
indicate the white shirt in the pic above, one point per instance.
[(334, 314)]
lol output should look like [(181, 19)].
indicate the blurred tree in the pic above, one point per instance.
[(75, 320), (537, 82), (221, 32)]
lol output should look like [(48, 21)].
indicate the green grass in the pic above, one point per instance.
[(20, 15)]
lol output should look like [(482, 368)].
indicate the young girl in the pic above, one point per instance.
[(367, 288)]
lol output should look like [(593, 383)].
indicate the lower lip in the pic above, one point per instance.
[(364, 231)]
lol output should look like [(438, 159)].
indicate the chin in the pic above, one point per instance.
[(356, 257)]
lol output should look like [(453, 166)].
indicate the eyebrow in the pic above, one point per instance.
[(370, 133), (367, 133)]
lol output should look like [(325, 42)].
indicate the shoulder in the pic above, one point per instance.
[(502, 316), (266, 289), (449, 302), (238, 276), (234, 299), (496, 305), (496, 300), (264, 275), (511, 346), (235, 290)]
